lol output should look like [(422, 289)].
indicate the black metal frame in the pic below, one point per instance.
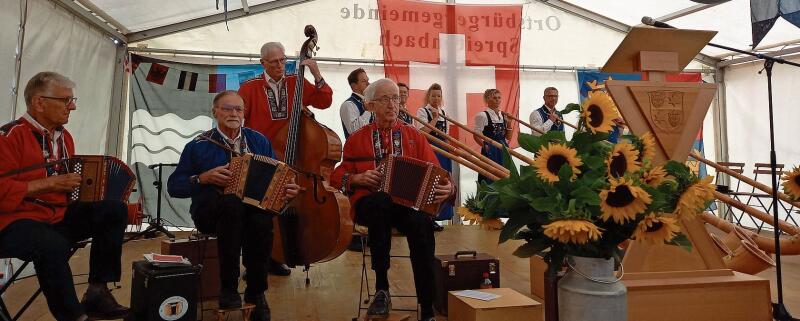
[(156, 224), (5, 315), (365, 283)]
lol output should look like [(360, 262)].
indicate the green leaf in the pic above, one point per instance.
[(586, 195), (594, 162), (570, 108), (543, 204), (512, 167), (510, 229), (557, 136), (532, 248), (682, 241), (530, 143), (565, 173)]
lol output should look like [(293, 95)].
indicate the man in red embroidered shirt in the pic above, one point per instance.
[(268, 98), (37, 224), (268, 101), (356, 175)]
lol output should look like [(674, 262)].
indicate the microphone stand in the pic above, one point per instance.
[(156, 224), (779, 311)]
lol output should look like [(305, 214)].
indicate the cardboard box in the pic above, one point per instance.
[(538, 269), (510, 306)]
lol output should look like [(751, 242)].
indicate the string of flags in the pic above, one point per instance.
[(188, 80)]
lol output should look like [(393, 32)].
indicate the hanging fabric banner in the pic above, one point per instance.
[(764, 14)]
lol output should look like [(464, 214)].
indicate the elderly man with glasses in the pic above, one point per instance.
[(36, 221), (201, 174), (357, 177)]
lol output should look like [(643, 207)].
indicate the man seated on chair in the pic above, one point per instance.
[(38, 224), (201, 174), (356, 176)]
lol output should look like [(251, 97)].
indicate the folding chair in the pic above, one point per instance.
[(5, 315), (363, 303)]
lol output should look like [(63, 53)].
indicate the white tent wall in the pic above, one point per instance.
[(348, 30), (748, 118), (9, 22), (55, 40)]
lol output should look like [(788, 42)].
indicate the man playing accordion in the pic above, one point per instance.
[(201, 174), (357, 177), (38, 224)]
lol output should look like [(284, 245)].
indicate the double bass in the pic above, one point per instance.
[(316, 226)]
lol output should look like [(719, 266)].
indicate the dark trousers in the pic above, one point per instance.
[(240, 228), (48, 246), (379, 214)]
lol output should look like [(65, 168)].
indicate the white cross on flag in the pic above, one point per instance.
[(464, 48)]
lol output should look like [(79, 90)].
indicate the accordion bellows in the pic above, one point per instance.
[(102, 178), (410, 182), (260, 181)]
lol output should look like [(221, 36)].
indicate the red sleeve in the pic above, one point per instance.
[(248, 106), (11, 191), (344, 168), (320, 98)]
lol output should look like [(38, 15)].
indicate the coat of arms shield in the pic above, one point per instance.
[(666, 109)]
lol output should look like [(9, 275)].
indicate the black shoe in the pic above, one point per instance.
[(229, 300), (101, 305), (381, 304), (279, 269), (429, 319), (437, 227), (261, 311)]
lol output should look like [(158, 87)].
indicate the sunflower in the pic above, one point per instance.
[(656, 229), (599, 112), (552, 157), (467, 215), (648, 147), (694, 198), (492, 224), (622, 160), (791, 183), (572, 231), (654, 176), (623, 200)]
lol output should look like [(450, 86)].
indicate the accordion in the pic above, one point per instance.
[(410, 182), (102, 178), (260, 181)]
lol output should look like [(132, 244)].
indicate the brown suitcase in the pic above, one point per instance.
[(193, 249), (462, 271)]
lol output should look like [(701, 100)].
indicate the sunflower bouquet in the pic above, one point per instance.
[(585, 196)]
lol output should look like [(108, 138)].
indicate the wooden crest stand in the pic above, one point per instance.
[(667, 282)]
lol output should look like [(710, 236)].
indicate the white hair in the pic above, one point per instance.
[(43, 83), (269, 46), (369, 92)]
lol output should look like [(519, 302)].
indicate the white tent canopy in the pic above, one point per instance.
[(88, 39)]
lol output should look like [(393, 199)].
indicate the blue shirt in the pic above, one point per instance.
[(200, 155)]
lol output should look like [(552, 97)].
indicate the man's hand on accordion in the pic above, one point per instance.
[(216, 176), (65, 183), (291, 190), (370, 179), (442, 192)]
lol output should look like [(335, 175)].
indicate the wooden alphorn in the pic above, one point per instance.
[(457, 152)]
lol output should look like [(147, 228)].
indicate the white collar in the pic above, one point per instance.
[(226, 138), (359, 95), (270, 80), (39, 126)]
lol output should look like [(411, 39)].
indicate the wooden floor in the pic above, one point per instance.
[(333, 292)]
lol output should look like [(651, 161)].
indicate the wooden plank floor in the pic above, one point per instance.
[(333, 292)]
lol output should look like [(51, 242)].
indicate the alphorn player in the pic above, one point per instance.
[(547, 118), (492, 123)]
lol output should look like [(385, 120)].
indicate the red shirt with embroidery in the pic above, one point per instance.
[(260, 115), (360, 152), (19, 148)]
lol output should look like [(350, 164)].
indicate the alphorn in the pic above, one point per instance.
[(490, 167), (789, 245), (524, 123), (456, 141), (482, 136), (751, 182), (466, 163)]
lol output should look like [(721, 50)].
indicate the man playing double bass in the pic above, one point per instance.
[(268, 101), (357, 177)]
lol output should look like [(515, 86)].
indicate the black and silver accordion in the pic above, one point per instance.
[(410, 182), (260, 181), (102, 178)]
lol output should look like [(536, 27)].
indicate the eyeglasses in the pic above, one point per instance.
[(279, 61), (230, 108), (386, 99), (66, 100)]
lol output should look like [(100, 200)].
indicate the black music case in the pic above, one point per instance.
[(164, 294)]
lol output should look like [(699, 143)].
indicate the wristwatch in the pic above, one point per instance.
[(194, 179)]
